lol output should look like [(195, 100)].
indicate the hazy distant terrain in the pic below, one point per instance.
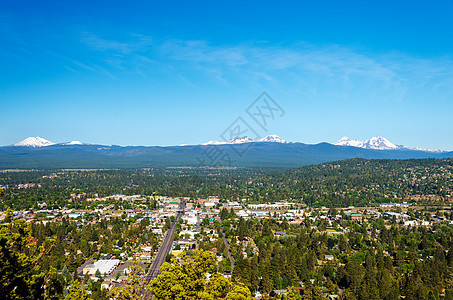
[(256, 154)]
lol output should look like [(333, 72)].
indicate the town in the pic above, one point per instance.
[(125, 229)]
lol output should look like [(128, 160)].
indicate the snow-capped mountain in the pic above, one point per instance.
[(345, 141), (73, 143), (213, 143), (270, 151), (240, 140), (34, 141), (374, 143), (377, 143), (273, 138), (236, 140)]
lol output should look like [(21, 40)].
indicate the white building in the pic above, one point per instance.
[(190, 217), (105, 267)]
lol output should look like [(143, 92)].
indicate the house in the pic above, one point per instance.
[(332, 232), (329, 257), (356, 217)]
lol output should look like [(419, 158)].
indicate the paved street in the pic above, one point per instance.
[(165, 247), (230, 257)]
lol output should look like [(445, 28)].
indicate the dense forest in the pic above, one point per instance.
[(357, 182), (23, 190), (369, 260), (31, 253)]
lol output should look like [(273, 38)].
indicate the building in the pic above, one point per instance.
[(105, 267)]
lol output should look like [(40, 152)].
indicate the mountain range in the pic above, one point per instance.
[(36, 141), (273, 138), (377, 143), (270, 151)]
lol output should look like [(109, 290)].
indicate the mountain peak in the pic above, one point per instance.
[(34, 141), (73, 143), (240, 140), (379, 143), (345, 141), (376, 143), (273, 138)]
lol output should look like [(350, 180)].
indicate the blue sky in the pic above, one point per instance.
[(167, 73)]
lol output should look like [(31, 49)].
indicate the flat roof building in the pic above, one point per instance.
[(105, 267)]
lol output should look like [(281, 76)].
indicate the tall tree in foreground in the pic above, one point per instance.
[(76, 291), (21, 276), (133, 288), (186, 278)]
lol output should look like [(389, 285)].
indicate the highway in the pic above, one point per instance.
[(165, 247)]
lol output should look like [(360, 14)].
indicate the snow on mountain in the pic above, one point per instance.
[(345, 141), (376, 143), (213, 143), (73, 143), (235, 140), (240, 140), (379, 143), (273, 138), (34, 141), (420, 149)]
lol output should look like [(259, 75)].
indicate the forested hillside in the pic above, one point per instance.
[(358, 182)]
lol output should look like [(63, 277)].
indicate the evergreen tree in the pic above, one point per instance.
[(185, 278), (76, 291), (133, 287)]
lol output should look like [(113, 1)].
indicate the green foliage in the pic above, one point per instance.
[(357, 182), (185, 278), (20, 260), (133, 287), (76, 292), (55, 285), (373, 260)]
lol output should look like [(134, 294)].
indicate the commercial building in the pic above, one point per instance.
[(105, 267)]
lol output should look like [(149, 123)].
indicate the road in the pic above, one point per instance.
[(225, 241), (228, 249), (165, 247)]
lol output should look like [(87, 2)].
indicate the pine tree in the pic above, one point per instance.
[(65, 273), (223, 214), (242, 229), (133, 287), (98, 273), (20, 258)]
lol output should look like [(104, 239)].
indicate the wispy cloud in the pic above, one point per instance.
[(133, 44), (289, 67)]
